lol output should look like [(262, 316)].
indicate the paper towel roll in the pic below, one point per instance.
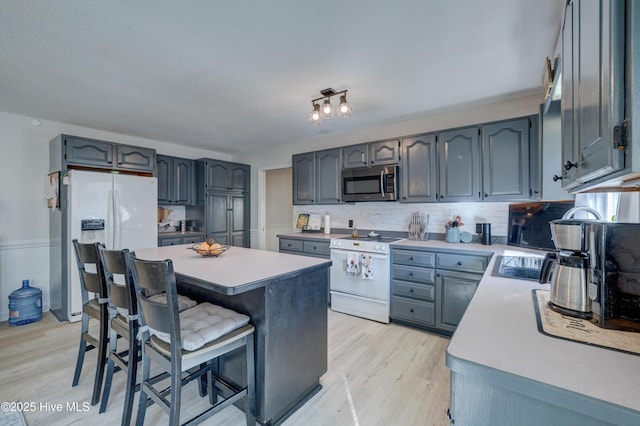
[(327, 224)]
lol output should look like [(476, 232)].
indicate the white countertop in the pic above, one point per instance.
[(312, 235), (499, 331), (234, 271)]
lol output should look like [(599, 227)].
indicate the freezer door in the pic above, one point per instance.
[(89, 198), (135, 200)]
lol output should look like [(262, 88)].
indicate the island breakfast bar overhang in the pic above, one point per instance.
[(285, 296)]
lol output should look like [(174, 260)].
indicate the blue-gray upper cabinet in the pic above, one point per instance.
[(176, 180), (370, 154), (506, 160), (328, 176), (593, 39), (419, 174), (95, 153), (460, 174), (226, 176), (304, 175), (317, 177)]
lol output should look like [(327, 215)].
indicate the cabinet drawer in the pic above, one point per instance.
[(413, 310), (169, 241), (414, 258), (413, 273), (318, 248), (413, 290), (291, 245), (193, 239), (461, 262)]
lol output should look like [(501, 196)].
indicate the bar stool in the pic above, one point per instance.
[(185, 342), (92, 307), (123, 321)]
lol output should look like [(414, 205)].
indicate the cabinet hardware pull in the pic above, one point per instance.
[(459, 263), (411, 310), (569, 165), (557, 178), (410, 290), (486, 195), (411, 258), (410, 274)]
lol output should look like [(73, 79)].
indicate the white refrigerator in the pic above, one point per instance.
[(115, 209)]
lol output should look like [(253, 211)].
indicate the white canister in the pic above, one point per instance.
[(327, 224)]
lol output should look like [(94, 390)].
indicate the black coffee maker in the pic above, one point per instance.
[(484, 229)]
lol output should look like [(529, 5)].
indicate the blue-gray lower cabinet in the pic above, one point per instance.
[(176, 240), (483, 396), (432, 289)]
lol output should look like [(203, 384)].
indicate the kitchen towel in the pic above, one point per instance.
[(353, 265), (366, 266), (327, 224)]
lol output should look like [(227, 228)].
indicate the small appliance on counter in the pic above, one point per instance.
[(614, 289), (568, 293), (484, 229)]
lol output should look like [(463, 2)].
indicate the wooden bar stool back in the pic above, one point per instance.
[(95, 299), (185, 342), (123, 321)]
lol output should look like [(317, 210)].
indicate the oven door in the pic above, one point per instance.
[(343, 281), (369, 184)]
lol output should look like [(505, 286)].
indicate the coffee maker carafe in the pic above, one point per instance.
[(567, 269)]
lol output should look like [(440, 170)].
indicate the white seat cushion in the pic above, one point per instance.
[(184, 302), (205, 323)]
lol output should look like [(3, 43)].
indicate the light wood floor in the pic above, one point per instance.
[(378, 375)]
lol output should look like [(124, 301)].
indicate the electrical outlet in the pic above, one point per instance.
[(350, 223)]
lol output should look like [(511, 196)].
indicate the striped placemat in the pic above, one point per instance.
[(554, 324)]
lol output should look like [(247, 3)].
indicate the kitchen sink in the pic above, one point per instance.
[(521, 267)]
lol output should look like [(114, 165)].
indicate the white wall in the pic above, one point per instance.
[(24, 219)]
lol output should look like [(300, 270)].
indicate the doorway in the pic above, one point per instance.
[(278, 207)]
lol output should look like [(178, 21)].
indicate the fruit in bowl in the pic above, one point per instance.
[(209, 248)]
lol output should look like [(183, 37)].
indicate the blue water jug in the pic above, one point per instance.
[(25, 305)]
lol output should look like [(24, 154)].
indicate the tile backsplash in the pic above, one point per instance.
[(390, 216)]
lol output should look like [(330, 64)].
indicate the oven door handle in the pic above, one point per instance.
[(382, 183), (373, 255)]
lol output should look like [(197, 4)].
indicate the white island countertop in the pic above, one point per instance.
[(499, 331), (237, 270)]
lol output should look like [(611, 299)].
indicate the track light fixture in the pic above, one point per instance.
[(327, 110)]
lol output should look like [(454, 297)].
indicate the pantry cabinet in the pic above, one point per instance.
[(224, 191)]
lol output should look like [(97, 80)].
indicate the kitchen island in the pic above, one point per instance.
[(505, 372), (285, 296)]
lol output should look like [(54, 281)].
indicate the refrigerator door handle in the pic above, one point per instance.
[(116, 221), (110, 228)]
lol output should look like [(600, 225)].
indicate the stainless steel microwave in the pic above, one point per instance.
[(378, 183)]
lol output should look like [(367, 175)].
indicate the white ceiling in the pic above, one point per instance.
[(232, 75)]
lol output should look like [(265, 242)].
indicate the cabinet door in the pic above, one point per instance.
[(169, 241), (592, 89), (217, 218), (304, 178), (459, 165), (419, 173), (569, 148), (165, 179), (328, 176), (355, 156), (135, 158), (384, 152), (239, 177), (216, 175), (88, 152), (506, 160), (183, 181), (598, 86), (454, 291)]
